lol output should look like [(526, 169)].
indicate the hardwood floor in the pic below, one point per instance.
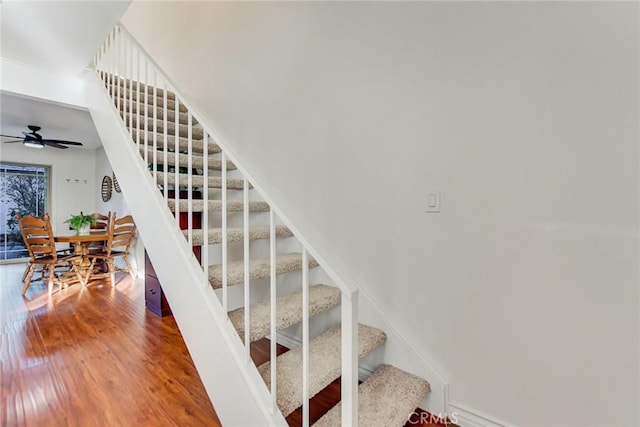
[(93, 357)]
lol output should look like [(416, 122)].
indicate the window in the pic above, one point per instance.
[(24, 189)]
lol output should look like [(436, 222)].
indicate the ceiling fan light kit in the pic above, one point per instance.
[(34, 140), (32, 144)]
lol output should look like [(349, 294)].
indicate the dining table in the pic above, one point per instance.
[(81, 243)]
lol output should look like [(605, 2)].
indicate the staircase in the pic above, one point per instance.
[(257, 270)]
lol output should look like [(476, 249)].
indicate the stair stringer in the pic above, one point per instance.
[(236, 388)]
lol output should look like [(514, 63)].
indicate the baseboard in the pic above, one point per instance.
[(467, 417)]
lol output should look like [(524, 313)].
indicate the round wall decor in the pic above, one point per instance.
[(106, 189), (116, 185)]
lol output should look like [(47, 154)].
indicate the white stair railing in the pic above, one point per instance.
[(131, 77)]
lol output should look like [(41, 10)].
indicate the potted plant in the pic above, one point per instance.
[(81, 224)]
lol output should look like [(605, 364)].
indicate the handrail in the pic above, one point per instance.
[(345, 286), (118, 53)]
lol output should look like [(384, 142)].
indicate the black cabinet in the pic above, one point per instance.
[(154, 296)]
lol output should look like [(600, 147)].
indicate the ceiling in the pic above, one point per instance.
[(57, 121), (58, 37)]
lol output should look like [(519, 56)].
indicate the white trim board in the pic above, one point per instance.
[(467, 417)]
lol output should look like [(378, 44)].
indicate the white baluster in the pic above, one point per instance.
[(247, 292), (116, 73), (223, 159), (146, 112), (349, 381), (305, 338), (177, 158), (111, 63), (155, 125), (129, 92), (272, 297), (138, 74), (100, 61), (190, 178), (205, 212), (165, 168)]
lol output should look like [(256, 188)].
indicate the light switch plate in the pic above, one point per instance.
[(434, 197)]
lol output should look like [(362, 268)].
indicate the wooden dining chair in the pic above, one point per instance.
[(102, 221), (38, 238), (102, 224), (121, 233), (40, 270)]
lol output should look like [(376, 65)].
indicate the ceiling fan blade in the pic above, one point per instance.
[(58, 141), (51, 143), (11, 136), (13, 142)]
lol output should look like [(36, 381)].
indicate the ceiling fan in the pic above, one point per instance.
[(34, 140)]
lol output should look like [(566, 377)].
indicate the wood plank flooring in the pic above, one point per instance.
[(93, 357)]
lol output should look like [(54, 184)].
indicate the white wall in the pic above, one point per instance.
[(525, 286), (67, 197), (33, 82), (118, 205)]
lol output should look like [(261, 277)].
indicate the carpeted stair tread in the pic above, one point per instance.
[(171, 103), (385, 399), (258, 268), (197, 161), (288, 310), (183, 128), (183, 143), (324, 365), (237, 234), (126, 107), (134, 84), (198, 180), (216, 206)]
